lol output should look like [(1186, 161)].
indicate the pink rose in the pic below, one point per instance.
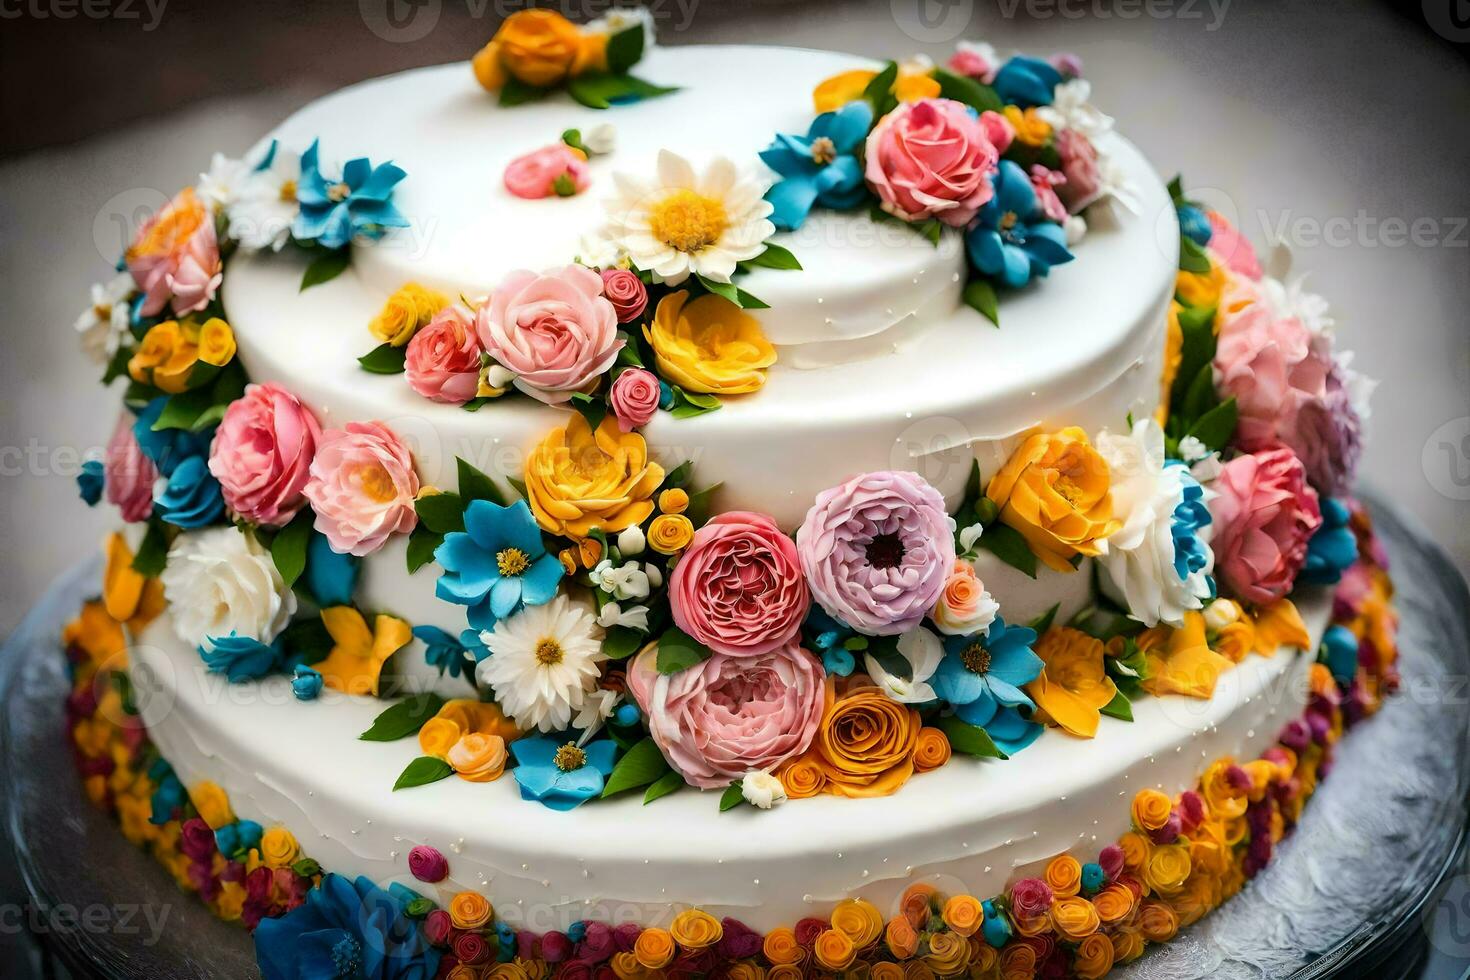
[(626, 292), (1271, 367), (1079, 166), (972, 64), (724, 717), (998, 130), (738, 588), (634, 398), (127, 474), (964, 607), (1264, 514), (555, 169), (261, 454), (442, 361), (362, 487), (931, 159), (175, 255), (1232, 248), (555, 332), (1045, 181)]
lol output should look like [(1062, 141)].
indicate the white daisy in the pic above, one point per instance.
[(220, 186), (104, 325), (265, 205), (684, 223), (543, 663), (1291, 298)]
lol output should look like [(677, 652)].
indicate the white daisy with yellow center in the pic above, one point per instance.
[(684, 223), (543, 663)]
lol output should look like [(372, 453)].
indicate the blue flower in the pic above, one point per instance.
[(1012, 240), (1194, 224), (981, 672), (497, 563), (168, 448), (330, 577), (505, 940), (1191, 554), (345, 928), (306, 684), (1026, 81), (90, 480), (236, 839), (191, 498), (828, 636), (1093, 878), (1332, 549), (819, 168), (239, 658), (1340, 654), (558, 773), (334, 212), (166, 799), (1010, 730), (627, 715), (444, 651), (995, 928)]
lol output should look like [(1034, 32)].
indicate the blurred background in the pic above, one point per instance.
[(1339, 128)]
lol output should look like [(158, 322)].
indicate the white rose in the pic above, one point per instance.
[(221, 581), (632, 541), (762, 789)]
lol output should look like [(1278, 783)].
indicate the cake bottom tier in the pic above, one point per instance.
[(971, 827)]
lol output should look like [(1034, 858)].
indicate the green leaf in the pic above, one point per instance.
[(679, 476), (326, 267), (475, 485), (1192, 257), (516, 92), (668, 783), (1007, 544), (288, 550), (969, 740), (1216, 427), (699, 503), (600, 90), (152, 552), (421, 545), (180, 411), (1176, 189), (624, 49), (1200, 396), (930, 230), (306, 868), (639, 766), (775, 257), (628, 356), (592, 408), (384, 359), (519, 486), (422, 771), (1119, 707), (403, 719), (979, 295), (621, 642), (879, 91), (678, 651), (441, 512), (689, 404), (980, 97), (118, 366), (732, 797), (307, 640), (1043, 622)]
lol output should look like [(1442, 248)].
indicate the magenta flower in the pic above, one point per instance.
[(128, 473)]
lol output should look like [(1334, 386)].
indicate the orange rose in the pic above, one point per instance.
[(865, 744), (780, 947), (1135, 849), (802, 777), (577, 479), (884, 970), (1018, 962), (902, 940), (538, 47), (932, 750), (1157, 921), (948, 953), (1074, 685), (1094, 957), (469, 910), (859, 920), (1200, 894), (1151, 809), (1064, 876), (1167, 868), (477, 758), (654, 948), (1114, 903), (963, 914), (694, 929), (917, 904), (438, 736), (1074, 918), (785, 971), (917, 970), (834, 950), (1055, 490), (1127, 945), (1226, 800), (745, 970)]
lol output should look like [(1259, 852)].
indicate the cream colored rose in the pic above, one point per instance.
[(221, 581)]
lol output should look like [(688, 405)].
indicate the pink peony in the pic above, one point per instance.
[(1264, 514), (972, 63), (261, 454), (555, 332), (556, 169), (727, 716), (626, 292), (442, 361), (362, 487), (738, 587), (877, 551), (128, 475), (634, 398), (1045, 182), (931, 159), (1079, 166), (1232, 248), (998, 130), (175, 255)]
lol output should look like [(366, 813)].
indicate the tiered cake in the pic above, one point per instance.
[(633, 432)]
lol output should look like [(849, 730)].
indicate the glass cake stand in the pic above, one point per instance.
[(1372, 883)]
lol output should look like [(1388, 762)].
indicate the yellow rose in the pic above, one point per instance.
[(1151, 809), (785, 971), (1195, 899), (591, 53), (438, 736), (884, 970), (1114, 903), (834, 950), (654, 948), (470, 910), (216, 342), (1200, 289), (122, 586), (802, 778), (477, 758), (1031, 129), (780, 947), (1127, 945), (1157, 921), (670, 534), (932, 750), (577, 479), (489, 72), (1094, 957), (1075, 918), (212, 803), (1074, 686), (1236, 639), (963, 914), (1184, 664), (409, 309), (484, 717), (1167, 868), (538, 47), (165, 356), (278, 848), (1055, 490), (1226, 800), (948, 953), (859, 920), (865, 743), (673, 501), (1136, 848), (1063, 876), (835, 92), (1018, 962), (625, 966), (694, 929), (710, 345)]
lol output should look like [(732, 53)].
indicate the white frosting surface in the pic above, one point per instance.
[(971, 826)]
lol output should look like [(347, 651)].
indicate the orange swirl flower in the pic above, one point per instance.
[(1151, 809), (1114, 903), (1018, 962), (1074, 918), (902, 939), (1157, 921), (654, 948), (577, 479), (884, 970), (834, 951), (1055, 491), (1064, 876), (865, 744), (538, 47), (1226, 800), (1167, 868), (1094, 957), (1127, 945), (916, 905), (803, 778), (469, 910), (1074, 686), (963, 914), (696, 929), (780, 947), (859, 920), (948, 953), (932, 750)]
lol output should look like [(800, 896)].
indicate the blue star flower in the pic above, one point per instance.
[(1012, 240), (449, 654), (1340, 654), (345, 928), (1191, 554), (90, 481), (496, 564), (334, 212), (828, 636), (980, 673), (1026, 81), (819, 168), (191, 497), (558, 773), (1194, 224), (330, 576), (240, 658), (1332, 549)]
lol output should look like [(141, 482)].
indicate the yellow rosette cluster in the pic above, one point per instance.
[(279, 848), (578, 479), (407, 311), (539, 48), (859, 920), (170, 352), (865, 744), (710, 345), (696, 929), (835, 92), (1054, 490), (1074, 685)]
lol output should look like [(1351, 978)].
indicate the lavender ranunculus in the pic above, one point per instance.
[(877, 550), (1327, 436)]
